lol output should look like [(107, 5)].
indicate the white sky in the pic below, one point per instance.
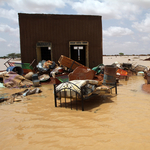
[(126, 23)]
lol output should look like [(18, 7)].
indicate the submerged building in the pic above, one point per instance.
[(48, 36)]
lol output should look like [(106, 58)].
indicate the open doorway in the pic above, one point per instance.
[(79, 51), (44, 51)]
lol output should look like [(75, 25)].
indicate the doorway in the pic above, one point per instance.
[(78, 54), (44, 51), (79, 51)]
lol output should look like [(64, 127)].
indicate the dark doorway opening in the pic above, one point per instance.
[(78, 53), (45, 53)]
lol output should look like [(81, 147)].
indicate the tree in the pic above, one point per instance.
[(14, 55), (18, 55), (4, 57), (121, 54), (11, 55)]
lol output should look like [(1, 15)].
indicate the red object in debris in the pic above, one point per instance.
[(122, 72), (99, 77), (82, 73)]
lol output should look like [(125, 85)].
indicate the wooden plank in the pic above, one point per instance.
[(68, 62)]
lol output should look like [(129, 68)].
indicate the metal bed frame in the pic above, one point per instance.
[(56, 98)]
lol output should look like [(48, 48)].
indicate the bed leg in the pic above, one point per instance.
[(70, 99), (76, 102), (82, 99), (65, 98), (55, 95), (116, 87)]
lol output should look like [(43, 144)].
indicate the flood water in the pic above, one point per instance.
[(109, 121)]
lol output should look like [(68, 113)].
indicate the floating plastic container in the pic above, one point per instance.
[(35, 77), (140, 73), (36, 83), (16, 69), (122, 72), (109, 74), (35, 80)]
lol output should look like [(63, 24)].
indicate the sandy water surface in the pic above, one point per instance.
[(108, 122)]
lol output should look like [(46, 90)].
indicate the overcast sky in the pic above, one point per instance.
[(126, 23)]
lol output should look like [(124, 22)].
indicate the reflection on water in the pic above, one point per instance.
[(109, 122)]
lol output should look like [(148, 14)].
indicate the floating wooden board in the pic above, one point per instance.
[(68, 62)]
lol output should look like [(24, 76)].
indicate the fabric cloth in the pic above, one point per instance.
[(13, 80)]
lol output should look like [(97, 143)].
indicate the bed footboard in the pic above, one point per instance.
[(69, 93)]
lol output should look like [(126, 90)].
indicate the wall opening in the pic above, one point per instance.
[(44, 51), (79, 51)]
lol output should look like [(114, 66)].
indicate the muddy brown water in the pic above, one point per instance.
[(108, 122)]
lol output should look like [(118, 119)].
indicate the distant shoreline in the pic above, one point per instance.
[(107, 60)]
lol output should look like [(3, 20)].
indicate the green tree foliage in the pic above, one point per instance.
[(121, 54), (18, 55), (13, 55)]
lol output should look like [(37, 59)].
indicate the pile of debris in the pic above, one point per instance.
[(67, 70), (128, 69)]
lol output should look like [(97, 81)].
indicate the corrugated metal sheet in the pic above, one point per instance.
[(59, 30)]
